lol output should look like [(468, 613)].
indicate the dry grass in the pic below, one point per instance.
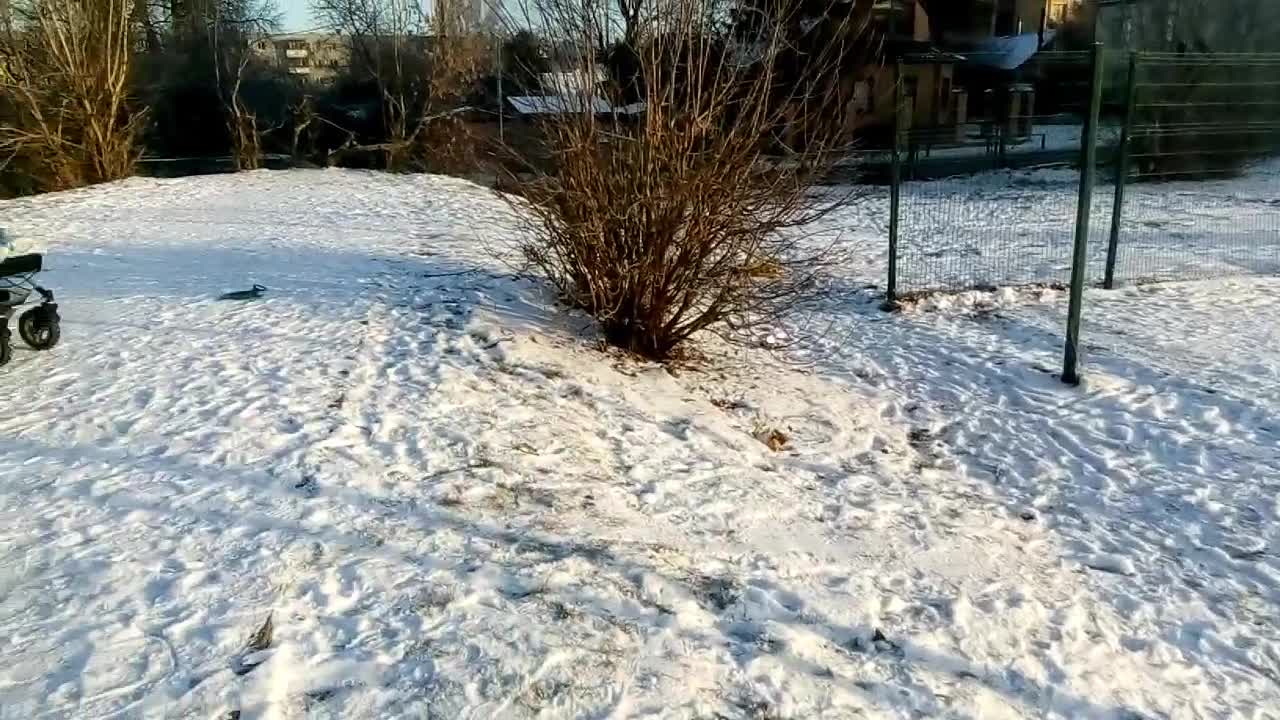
[(263, 637), (772, 437)]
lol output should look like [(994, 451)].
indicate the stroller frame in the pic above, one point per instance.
[(39, 326)]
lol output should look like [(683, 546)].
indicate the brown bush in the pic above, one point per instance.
[(678, 220)]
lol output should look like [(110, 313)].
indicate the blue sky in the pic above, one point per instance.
[(297, 14)]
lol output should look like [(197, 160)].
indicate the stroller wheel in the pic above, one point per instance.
[(39, 328)]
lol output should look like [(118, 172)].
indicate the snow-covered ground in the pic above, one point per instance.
[(1044, 136), (451, 503)]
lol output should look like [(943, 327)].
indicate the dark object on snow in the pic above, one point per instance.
[(252, 294), (40, 327)]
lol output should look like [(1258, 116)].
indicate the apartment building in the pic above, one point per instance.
[(314, 57), (1058, 12)]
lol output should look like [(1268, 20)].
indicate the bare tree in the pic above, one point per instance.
[(144, 22), (64, 72), (388, 47), (631, 13), (242, 124), (689, 216), (424, 66), (230, 28)]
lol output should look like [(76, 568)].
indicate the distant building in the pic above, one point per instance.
[(314, 57), (572, 82), (975, 19), (1058, 12), (962, 67), (928, 90)]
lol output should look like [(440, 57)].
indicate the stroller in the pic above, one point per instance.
[(39, 326)]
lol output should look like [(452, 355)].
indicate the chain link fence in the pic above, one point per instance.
[(1183, 183), (1200, 190), (1162, 166), (1015, 223)]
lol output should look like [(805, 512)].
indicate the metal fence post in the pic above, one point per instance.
[(502, 131), (895, 184), (1002, 158), (1080, 254), (1122, 172)]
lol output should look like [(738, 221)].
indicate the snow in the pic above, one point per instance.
[(12, 245), (451, 503), (1118, 564), (557, 104)]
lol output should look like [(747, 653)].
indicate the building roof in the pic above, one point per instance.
[(920, 51), (558, 104), (1006, 53), (564, 104)]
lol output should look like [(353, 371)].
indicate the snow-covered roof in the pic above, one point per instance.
[(1006, 53), (570, 82), (560, 104), (557, 104)]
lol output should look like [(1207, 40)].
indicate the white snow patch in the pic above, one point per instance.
[(452, 504), (1110, 563)]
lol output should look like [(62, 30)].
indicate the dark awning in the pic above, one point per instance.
[(1005, 53)]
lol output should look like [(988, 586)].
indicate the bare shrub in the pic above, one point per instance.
[(687, 217), (64, 72)]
